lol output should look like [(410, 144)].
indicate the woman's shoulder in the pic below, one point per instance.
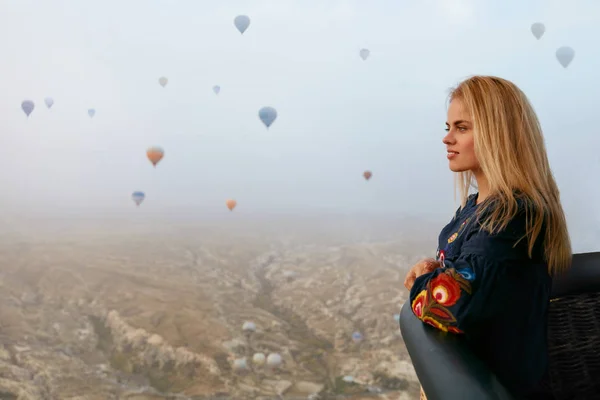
[(509, 240)]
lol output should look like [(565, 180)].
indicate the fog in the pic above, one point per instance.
[(338, 115)]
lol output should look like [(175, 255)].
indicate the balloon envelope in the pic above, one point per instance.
[(49, 102), (231, 204), (162, 81), (538, 30), (27, 106), (565, 55), (357, 337), (249, 326), (240, 364), (138, 197), (364, 53), (91, 112), (242, 22), (155, 154), (217, 89), (274, 360), (267, 115), (258, 358), (367, 175)]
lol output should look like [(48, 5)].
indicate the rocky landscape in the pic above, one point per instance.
[(102, 309)]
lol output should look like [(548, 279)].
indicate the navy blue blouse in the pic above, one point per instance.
[(490, 291)]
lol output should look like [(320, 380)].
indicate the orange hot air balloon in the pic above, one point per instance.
[(367, 175), (231, 204), (155, 154)]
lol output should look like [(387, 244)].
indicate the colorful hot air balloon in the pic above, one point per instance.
[(217, 89), (538, 30), (155, 154), (231, 204), (138, 197), (162, 81), (91, 112), (241, 22), (267, 115), (364, 53), (27, 106), (367, 175), (49, 102)]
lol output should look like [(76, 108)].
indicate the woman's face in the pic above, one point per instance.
[(459, 141)]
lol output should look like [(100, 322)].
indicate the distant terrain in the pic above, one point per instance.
[(152, 309)]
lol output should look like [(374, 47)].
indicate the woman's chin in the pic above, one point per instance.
[(457, 168)]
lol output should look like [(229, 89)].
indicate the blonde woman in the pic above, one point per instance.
[(491, 278)]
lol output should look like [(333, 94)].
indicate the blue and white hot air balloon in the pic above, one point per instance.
[(138, 197), (91, 112)]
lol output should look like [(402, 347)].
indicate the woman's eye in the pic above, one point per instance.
[(447, 129), (462, 128)]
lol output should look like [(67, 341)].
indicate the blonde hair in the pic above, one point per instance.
[(509, 146)]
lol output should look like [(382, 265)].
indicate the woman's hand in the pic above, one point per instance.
[(422, 267)]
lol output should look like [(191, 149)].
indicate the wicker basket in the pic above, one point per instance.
[(574, 347)]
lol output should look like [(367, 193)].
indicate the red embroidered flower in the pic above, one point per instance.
[(445, 290), (419, 303)]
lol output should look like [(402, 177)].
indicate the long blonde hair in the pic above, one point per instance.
[(509, 146)]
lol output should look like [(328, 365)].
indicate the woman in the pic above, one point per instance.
[(491, 278)]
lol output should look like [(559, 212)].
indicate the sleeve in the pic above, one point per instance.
[(474, 286), (454, 298)]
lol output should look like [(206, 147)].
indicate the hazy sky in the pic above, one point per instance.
[(338, 115)]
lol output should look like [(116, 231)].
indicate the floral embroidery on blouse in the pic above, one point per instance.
[(443, 291)]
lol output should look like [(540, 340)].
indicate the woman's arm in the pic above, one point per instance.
[(474, 286)]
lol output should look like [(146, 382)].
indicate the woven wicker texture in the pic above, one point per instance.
[(574, 347)]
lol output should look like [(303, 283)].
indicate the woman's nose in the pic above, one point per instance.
[(448, 139)]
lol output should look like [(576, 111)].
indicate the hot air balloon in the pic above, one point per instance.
[(162, 81), (91, 112), (240, 364), (258, 359), (367, 175), (155, 154), (267, 115), (565, 55), (27, 106), (273, 360), (241, 22), (357, 337), (49, 102), (231, 204), (217, 89), (364, 53), (138, 197), (249, 326), (538, 30)]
